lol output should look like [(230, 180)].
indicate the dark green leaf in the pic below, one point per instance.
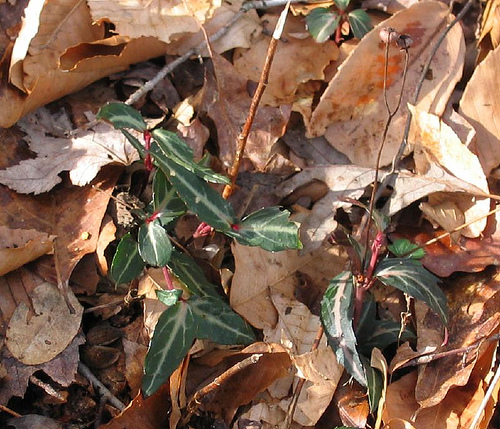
[(172, 338), (342, 4), (165, 199), (412, 278), (136, 143), (154, 245), (201, 199), (360, 23), (218, 322), (403, 247), (127, 263), (375, 383), (382, 334), (321, 23), (122, 115), (336, 316), (191, 275), (169, 297), (178, 151), (269, 229)]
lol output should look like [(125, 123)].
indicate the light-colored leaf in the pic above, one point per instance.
[(480, 105), (336, 316), (352, 114), (82, 155)]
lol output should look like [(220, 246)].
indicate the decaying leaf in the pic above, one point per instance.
[(436, 142), (351, 112), (18, 247), (83, 156), (480, 105)]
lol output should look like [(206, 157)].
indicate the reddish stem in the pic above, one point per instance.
[(148, 162), (168, 279)]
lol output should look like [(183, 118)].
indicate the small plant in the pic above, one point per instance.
[(180, 184), (323, 22)]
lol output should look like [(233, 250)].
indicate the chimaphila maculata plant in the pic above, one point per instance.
[(180, 184)]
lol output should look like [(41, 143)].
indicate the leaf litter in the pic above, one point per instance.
[(450, 183)]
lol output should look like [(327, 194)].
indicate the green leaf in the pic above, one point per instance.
[(321, 23), (178, 151), (201, 199), (360, 23), (342, 4), (218, 322), (127, 263), (403, 247), (412, 278), (269, 229), (336, 316), (191, 275), (165, 199), (154, 245), (382, 334), (169, 297), (375, 383), (172, 338), (134, 142), (122, 115)]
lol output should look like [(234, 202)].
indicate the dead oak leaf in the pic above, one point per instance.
[(83, 156)]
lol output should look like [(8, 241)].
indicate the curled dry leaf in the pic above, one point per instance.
[(437, 142), (41, 337), (352, 114), (20, 246), (480, 105), (82, 155), (292, 63)]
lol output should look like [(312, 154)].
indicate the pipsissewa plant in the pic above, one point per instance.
[(180, 184), (323, 22)]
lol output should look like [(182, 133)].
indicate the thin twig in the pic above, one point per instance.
[(193, 52), (263, 81), (102, 389)]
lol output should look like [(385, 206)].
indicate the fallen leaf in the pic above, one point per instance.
[(389, 6), (19, 246), (29, 421), (351, 113), (480, 105), (258, 273), (437, 142), (226, 101), (291, 64), (83, 156), (342, 181), (107, 234)]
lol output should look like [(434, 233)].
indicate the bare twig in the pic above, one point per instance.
[(263, 81), (102, 389)]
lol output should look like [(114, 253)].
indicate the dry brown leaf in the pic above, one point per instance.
[(82, 155), (259, 272), (490, 23), (389, 6), (106, 236), (227, 101), (164, 20), (351, 112), (292, 63), (473, 302), (36, 339), (436, 142), (20, 246), (342, 181), (480, 105)]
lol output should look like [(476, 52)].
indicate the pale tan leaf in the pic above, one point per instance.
[(480, 105), (40, 337), (437, 142), (292, 63), (342, 181), (82, 155), (164, 20), (352, 113), (20, 246)]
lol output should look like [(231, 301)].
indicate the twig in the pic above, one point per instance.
[(263, 81), (101, 388), (8, 410), (169, 68), (397, 159)]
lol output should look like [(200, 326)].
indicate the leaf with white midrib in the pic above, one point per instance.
[(410, 277), (154, 245), (336, 316), (127, 263), (173, 337)]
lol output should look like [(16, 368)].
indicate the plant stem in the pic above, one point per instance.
[(168, 279)]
